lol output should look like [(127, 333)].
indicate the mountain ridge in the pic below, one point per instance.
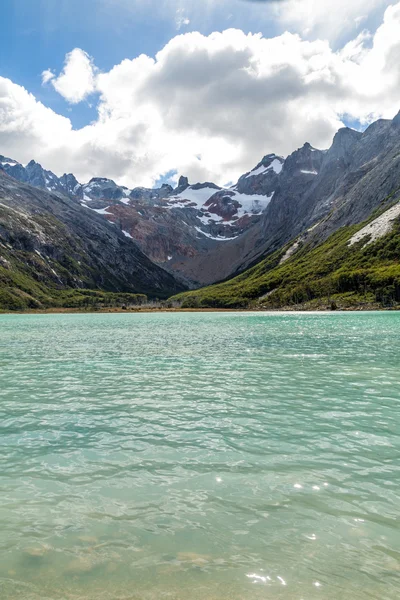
[(203, 233), (50, 243), (207, 214)]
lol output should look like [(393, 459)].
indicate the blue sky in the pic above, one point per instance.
[(137, 90), (37, 34)]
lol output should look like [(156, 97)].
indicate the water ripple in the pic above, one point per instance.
[(200, 456)]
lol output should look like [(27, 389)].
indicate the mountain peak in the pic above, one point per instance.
[(396, 120), (342, 145), (346, 133), (183, 184), (101, 180), (183, 181)]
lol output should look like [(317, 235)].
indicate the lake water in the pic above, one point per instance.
[(212, 456)]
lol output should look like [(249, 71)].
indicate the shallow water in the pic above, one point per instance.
[(200, 456)]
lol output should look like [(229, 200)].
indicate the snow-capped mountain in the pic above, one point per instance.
[(204, 233), (49, 242), (172, 226)]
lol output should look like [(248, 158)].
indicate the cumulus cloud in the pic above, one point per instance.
[(77, 79), (328, 19), (208, 106), (47, 76), (334, 20)]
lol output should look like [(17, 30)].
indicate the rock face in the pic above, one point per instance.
[(204, 233), (33, 173), (59, 241), (70, 185), (183, 184), (100, 188), (173, 227), (319, 192), (263, 179)]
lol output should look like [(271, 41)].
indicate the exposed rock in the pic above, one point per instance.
[(206, 233), (148, 195), (170, 226), (263, 179), (396, 120), (183, 183), (379, 227), (61, 241), (33, 173), (223, 204), (71, 185), (202, 186), (352, 178), (102, 188)]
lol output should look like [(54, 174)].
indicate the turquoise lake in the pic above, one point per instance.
[(190, 456)]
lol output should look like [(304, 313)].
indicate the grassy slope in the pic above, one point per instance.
[(27, 282), (332, 273), (30, 280)]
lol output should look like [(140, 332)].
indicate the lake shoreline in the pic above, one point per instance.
[(117, 310)]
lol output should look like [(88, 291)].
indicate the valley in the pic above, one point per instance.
[(320, 225)]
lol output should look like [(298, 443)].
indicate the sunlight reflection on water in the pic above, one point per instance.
[(212, 456)]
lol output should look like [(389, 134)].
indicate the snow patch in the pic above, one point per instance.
[(216, 238), (276, 166), (253, 204), (126, 193), (258, 171), (126, 233), (206, 220), (100, 211), (199, 197), (309, 172), (378, 228)]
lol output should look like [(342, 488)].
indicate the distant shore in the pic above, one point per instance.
[(58, 310)]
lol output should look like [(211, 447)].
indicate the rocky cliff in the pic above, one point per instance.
[(176, 228), (52, 239), (204, 233)]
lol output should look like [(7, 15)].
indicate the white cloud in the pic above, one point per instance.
[(334, 20), (207, 106), (47, 76), (181, 20), (26, 125), (77, 79), (326, 19)]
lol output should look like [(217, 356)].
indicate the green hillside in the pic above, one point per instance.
[(332, 274), (27, 282)]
